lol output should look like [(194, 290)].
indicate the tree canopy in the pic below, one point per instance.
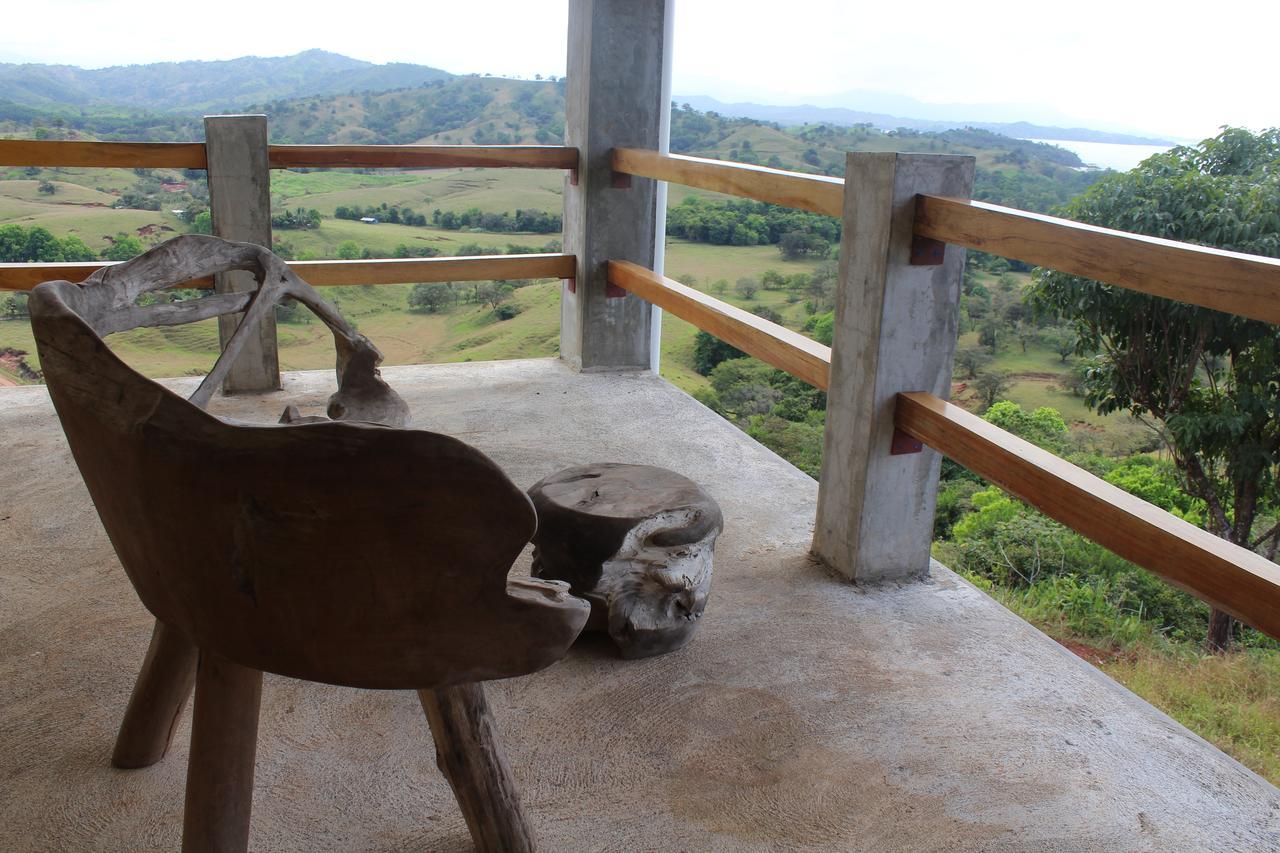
[(1208, 382)]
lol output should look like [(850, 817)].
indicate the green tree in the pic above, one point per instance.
[(123, 248), (74, 249), (746, 287), (744, 388), (496, 293), (971, 360), (348, 250), (1206, 381), (1062, 340), (1044, 427), (202, 223), (43, 246), (15, 305), (708, 351), (991, 386), (430, 297)]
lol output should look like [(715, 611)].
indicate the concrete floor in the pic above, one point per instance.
[(806, 714)]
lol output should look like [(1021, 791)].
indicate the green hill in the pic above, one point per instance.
[(191, 87)]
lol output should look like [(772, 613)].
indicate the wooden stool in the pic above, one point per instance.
[(637, 542)]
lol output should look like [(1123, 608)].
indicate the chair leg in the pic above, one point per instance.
[(168, 673), (469, 755), (224, 740)]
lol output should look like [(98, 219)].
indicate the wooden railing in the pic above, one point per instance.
[(329, 273), (191, 155), (1227, 576), (815, 193), (1248, 285), (1236, 283), (777, 345)]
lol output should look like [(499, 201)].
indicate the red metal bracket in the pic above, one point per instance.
[(903, 444), (572, 284), (573, 177), (612, 291), (620, 181), (926, 251)]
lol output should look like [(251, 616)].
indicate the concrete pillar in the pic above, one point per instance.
[(614, 97), (240, 204), (895, 330)]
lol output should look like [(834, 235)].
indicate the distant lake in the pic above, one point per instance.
[(1108, 155)]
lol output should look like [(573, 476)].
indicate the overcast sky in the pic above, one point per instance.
[(1161, 67)]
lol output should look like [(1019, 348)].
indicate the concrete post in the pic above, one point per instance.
[(895, 330), (240, 204), (614, 97)]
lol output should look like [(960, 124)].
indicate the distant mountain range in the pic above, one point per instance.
[(192, 88), (841, 116), (205, 86)]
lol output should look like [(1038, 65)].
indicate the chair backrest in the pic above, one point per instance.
[(348, 553)]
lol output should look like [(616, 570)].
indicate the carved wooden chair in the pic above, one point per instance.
[(344, 552)]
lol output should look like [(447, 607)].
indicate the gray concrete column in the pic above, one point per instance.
[(895, 330), (240, 204), (614, 97)]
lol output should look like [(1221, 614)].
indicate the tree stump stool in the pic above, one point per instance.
[(637, 542)]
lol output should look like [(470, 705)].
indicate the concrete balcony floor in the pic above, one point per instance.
[(806, 714)]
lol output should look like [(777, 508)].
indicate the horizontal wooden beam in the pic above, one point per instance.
[(815, 193), (401, 271), (1248, 285), (1227, 576), (423, 156), (326, 273), (191, 155), (127, 155), (26, 276), (802, 357)]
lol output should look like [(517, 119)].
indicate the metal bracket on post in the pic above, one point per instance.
[(572, 284), (902, 444), (620, 181), (573, 177), (612, 291)]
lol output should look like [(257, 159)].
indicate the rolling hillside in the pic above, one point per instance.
[(191, 87)]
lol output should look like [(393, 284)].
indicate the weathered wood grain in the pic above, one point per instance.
[(637, 541), (423, 156), (1248, 285), (126, 155), (1227, 576), (224, 744), (802, 357), (470, 757), (463, 268), (164, 684), (20, 276), (345, 552), (815, 193)]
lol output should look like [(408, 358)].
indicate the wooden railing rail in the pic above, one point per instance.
[(815, 193), (1227, 576), (777, 345), (1248, 285), (191, 155), (124, 155), (327, 273), (423, 156), (1233, 282)]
